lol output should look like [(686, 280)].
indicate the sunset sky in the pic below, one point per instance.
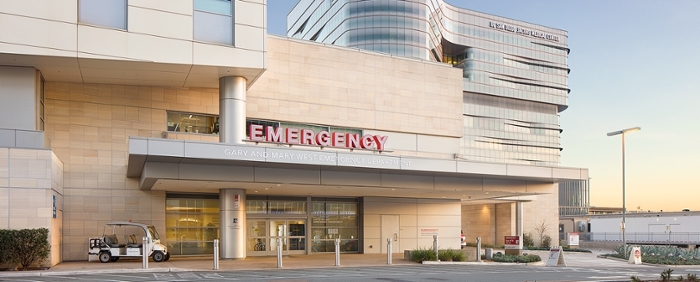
[(633, 63)]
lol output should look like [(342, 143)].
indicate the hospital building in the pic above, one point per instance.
[(369, 122)]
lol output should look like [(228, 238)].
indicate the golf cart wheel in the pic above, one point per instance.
[(158, 256), (105, 257), (167, 257)]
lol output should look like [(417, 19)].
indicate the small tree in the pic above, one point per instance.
[(541, 230), (28, 246)]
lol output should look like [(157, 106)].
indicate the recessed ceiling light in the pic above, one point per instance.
[(278, 185), (256, 191)]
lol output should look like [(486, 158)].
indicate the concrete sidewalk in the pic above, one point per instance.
[(207, 264), (288, 262)]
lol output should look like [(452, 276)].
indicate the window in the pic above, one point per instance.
[(334, 219), (191, 223), (213, 21), (193, 123), (107, 13), (272, 205)]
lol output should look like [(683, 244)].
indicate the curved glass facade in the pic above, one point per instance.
[(504, 62), (574, 198)]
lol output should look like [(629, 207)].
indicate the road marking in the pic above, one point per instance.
[(163, 276)]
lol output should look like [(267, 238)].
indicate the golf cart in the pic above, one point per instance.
[(108, 247)]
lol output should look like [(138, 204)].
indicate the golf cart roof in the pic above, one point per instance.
[(120, 223)]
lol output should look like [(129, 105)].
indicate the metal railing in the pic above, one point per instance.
[(666, 238)]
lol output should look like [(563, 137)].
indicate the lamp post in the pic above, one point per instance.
[(624, 209)]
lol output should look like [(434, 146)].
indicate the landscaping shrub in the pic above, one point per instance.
[(566, 249), (421, 255), (4, 245), (451, 255), (25, 246), (668, 255), (484, 246), (546, 241), (498, 257), (527, 240)]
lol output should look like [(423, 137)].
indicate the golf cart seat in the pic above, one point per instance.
[(131, 241), (112, 242)]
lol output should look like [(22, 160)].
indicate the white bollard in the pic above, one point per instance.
[(216, 254), (279, 253), (388, 251), (337, 252), (144, 253), (478, 249), (435, 245)]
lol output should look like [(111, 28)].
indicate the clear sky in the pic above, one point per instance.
[(633, 63)]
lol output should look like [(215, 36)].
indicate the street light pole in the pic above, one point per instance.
[(624, 207)]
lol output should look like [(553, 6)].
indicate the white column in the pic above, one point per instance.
[(519, 219), (232, 107), (232, 223)]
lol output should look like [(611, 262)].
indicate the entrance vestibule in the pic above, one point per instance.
[(263, 235)]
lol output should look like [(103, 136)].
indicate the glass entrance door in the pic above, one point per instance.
[(263, 235)]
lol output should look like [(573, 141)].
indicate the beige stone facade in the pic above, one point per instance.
[(103, 85), (493, 221), (311, 83), (29, 181), (89, 124)]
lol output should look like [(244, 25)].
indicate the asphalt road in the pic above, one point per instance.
[(397, 273)]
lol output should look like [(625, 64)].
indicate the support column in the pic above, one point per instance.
[(518, 230), (232, 223), (519, 219), (232, 109)]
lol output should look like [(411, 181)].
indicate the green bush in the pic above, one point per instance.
[(25, 246), (566, 249), (421, 255), (498, 257), (4, 245), (483, 246), (546, 241), (668, 255), (527, 240), (451, 255)]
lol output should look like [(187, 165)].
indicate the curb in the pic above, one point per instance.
[(453, 263), (81, 272)]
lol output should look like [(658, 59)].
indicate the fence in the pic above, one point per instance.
[(651, 238)]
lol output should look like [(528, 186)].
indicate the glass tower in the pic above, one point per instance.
[(514, 73), (574, 198)]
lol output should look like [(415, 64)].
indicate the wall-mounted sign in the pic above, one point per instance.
[(573, 239), (236, 201), (524, 31), (428, 231), (258, 133), (54, 206)]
